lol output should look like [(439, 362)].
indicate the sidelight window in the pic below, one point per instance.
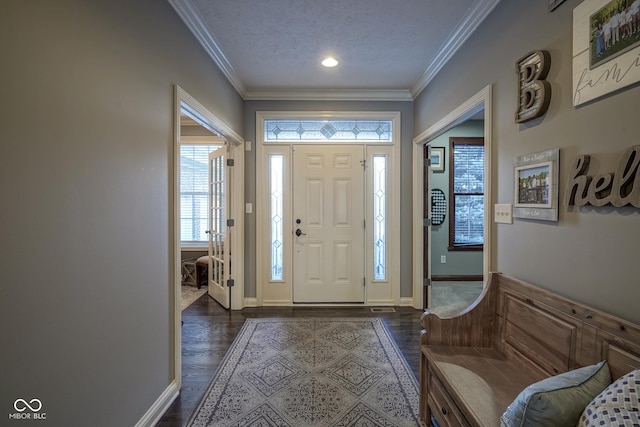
[(276, 167), (379, 217)]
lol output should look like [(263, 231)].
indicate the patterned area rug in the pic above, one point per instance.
[(190, 295), (311, 372)]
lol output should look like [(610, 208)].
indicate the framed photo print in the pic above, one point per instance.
[(606, 45), (536, 186), (437, 159), (533, 184)]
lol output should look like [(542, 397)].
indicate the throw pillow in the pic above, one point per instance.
[(617, 405), (558, 400)]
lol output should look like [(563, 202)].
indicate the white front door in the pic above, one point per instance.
[(328, 216), (219, 244)]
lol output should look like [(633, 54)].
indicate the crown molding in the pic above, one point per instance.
[(467, 25), (327, 95), (190, 16), (463, 31)]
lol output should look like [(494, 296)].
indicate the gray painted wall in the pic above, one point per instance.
[(86, 180), (459, 263), (590, 254), (406, 113)]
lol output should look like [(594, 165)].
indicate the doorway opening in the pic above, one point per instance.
[(437, 246), (189, 113)]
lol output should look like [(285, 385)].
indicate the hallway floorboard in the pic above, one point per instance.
[(209, 330)]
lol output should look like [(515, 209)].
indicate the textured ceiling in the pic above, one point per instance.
[(269, 47)]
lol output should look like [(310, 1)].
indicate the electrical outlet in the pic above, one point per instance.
[(503, 213), (443, 259)]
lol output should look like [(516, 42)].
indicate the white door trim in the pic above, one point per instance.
[(282, 294), (481, 101)]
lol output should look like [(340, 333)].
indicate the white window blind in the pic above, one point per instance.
[(194, 176), (467, 194)]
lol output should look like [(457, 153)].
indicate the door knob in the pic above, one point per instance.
[(300, 233)]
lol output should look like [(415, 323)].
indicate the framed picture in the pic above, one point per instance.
[(606, 45), (536, 186), (613, 31), (437, 159), (554, 3), (533, 185)]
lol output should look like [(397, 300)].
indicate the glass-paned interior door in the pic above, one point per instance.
[(219, 250)]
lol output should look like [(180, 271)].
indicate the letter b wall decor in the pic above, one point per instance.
[(534, 92)]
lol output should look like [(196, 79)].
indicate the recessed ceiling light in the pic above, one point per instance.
[(329, 62)]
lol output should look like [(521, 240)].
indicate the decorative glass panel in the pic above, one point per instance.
[(276, 167), (379, 218), (317, 130)]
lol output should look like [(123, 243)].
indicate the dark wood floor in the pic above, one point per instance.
[(209, 330)]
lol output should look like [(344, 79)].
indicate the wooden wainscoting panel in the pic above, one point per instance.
[(620, 360), (546, 339)]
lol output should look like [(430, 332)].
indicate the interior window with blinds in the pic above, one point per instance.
[(194, 208), (466, 193)]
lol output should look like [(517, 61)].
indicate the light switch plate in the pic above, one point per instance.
[(503, 213)]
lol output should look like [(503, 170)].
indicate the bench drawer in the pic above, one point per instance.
[(441, 407)]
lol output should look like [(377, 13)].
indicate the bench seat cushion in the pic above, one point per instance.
[(481, 380), (617, 405), (558, 400)]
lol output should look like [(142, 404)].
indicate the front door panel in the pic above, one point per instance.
[(328, 211)]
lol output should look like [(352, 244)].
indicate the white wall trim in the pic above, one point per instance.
[(197, 139), (407, 302), (328, 95), (199, 112), (186, 11), (463, 31), (467, 25), (160, 406), (479, 102), (250, 302)]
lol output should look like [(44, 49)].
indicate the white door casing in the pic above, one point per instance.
[(328, 211), (481, 102), (427, 228)]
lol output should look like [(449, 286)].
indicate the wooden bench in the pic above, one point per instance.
[(474, 364)]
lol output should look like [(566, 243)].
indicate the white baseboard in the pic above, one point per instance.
[(251, 302), (160, 406), (406, 301)]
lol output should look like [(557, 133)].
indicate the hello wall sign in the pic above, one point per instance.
[(619, 189)]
